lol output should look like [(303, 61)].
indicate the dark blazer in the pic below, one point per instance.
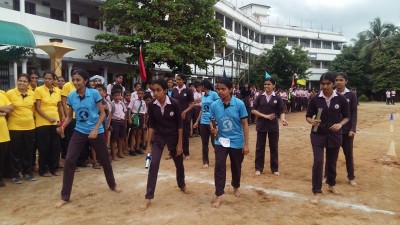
[(352, 124), (166, 124), (275, 105)]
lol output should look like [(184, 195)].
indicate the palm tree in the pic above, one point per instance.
[(373, 39)]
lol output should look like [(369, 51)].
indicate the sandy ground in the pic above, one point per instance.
[(266, 199)]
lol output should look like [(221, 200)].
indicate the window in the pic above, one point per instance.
[(316, 44), (305, 43), (74, 18), (257, 38), (293, 41), (277, 38), (220, 17), (337, 45), (228, 24), (251, 35), (57, 14), (93, 23), (245, 31), (327, 45), (238, 28), (325, 64), (30, 8), (16, 5), (316, 64), (227, 52)]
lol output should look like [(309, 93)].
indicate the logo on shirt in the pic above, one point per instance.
[(184, 94), (227, 124), (206, 108), (83, 114), (171, 113), (336, 106), (275, 101), (348, 100)]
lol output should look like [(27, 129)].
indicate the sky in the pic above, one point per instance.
[(348, 16)]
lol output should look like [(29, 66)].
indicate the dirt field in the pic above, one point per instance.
[(266, 199)]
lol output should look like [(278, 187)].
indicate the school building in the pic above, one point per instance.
[(76, 23)]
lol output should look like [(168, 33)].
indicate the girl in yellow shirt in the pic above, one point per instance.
[(48, 113), (21, 125), (5, 108)]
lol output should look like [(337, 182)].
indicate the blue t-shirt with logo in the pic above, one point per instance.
[(228, 118), (86, 110), (206, 101)]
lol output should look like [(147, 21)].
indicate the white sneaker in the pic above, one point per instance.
[(353, 183), (257, 173)]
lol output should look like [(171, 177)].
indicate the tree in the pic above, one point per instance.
[(282, 63), (374, 37), (175, 32)]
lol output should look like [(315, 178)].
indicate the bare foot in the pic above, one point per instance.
[(145, 204), (217, 202), (120, 156), (115, 159), (315, 199), (333, 190), (117, 189), (184, 190), (60, 204), (236, 192)]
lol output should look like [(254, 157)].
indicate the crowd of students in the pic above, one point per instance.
[(68, 123)]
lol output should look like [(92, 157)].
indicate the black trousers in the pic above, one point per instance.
[(206, 135), (3, 159), (236, 156), (21, 148), (317, 169), (347, 145), (273, 138), (48, 141), (186, 135)]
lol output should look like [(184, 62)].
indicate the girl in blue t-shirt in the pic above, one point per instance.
[(231, 129), (89, 113), (203, 120)]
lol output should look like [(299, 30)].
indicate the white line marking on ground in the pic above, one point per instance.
[(269, 191)]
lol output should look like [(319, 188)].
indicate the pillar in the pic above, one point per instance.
[(15, 65), (68, 16), (24, 65), (105, 72), (70, 65)]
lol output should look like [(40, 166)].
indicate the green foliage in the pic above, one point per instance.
[(281, 63), (14, 54), (175, 32), (363, 98)]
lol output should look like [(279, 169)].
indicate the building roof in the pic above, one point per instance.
[(16, 35), (253, 4)]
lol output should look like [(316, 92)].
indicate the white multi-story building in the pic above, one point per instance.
[(76, 22)]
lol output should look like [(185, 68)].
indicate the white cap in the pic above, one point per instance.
[(98, 77)]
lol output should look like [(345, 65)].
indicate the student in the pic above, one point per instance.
[(232, 130), (185, 98), (117, 80), (21, 125), (203, 120), (268, 107), (326, 132), (170, 83), (5, 109), (137, 106), (98, 80), (349, 129), (388, 97), (34, 79), (165, 124), (127, 98), (48, 112), (117, 125), (144, 137), (197, 106), (86, 103), (136, 86), (60, 82)]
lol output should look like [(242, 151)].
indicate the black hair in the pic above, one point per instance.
[(114, 91), (117, 87), (162, 83), (101, 87), (226, 82), (272, 80), (118, 75), (24, 75), (33, 72), (127, 93), (182, 76), (207, 85), (53, 75), (342, 74), (140, 90), (328, 76), (136, 84), (146, 96), (81, 72), (61, 77)]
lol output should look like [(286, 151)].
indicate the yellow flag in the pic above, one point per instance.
[(301, 82)]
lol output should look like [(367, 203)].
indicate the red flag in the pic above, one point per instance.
[(292, 81), (142, 68)]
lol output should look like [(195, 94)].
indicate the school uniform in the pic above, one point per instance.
[(165, 120), (4, 138), (184, 97), (138, 106), (87, 115), (347, 142), (204, 124), (228, 118), (118, 122), (21, 125), (334, 109), (48, 140), (265, 104)]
